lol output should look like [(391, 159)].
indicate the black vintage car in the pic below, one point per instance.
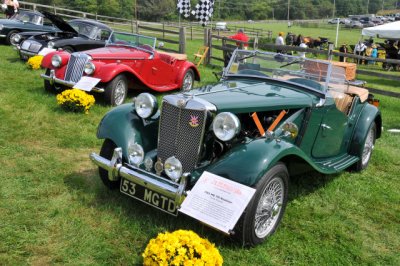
[(75, 35)]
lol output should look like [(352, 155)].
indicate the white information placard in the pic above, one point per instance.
[(217, 201), (45, 51), (86, 83)]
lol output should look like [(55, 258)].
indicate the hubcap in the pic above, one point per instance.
[(120, 92), (12, 38), (187, 82), (368, 147), (269, 207)]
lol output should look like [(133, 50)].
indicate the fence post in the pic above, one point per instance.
[(182, 40), (255, 45), (208, 42), (34, 7), (55, 10), (191, 32), (96, 16), (330, 49), (137, 26), (132, 26)]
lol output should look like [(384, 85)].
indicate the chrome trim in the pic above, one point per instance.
[(3, 36), (191, 102), (53, 80), (23, 52), (138, 176)]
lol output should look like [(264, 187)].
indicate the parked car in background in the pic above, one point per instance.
[(75, 35), (355, 24), (270, 117), (127, 61), (24, 21)]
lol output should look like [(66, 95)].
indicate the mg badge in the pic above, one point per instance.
[(194, 121), (181, 103), (159, 166)]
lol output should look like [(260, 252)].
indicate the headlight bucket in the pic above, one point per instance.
[(89, 68), (136, 154), (173, 168), (56, 60), (226, 126), (145, 105)]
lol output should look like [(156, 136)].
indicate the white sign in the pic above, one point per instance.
[(217, 201), (86, 83), (46, 50)]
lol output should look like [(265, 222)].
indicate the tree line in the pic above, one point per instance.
[(164, 10)]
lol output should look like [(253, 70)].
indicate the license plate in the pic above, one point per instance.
[(148, 196)]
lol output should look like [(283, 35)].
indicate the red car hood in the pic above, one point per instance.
[(119, 52)]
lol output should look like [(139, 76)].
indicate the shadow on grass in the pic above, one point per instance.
[(153, 221)]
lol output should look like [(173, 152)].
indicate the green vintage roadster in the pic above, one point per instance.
[(271, 116)]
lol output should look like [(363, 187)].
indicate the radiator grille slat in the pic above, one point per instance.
[(75, 67), (178, 138)]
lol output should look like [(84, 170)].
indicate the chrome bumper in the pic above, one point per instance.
[(138, 176), (25, 53), (53, 80)]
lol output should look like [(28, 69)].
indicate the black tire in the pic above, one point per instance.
[(10, 35), (68, 49), (367, 150), (107, 150), (116, 90), (275, 180), (47, 86), (188, 80)]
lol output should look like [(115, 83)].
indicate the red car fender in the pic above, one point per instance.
[(185, 66), (46, 61), (106, 72)]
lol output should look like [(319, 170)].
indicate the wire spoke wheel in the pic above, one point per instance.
[(188, 80), (120, 92), (269, 207)]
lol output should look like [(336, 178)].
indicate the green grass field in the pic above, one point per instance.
[(55, 210)]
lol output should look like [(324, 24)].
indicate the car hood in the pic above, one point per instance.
[(240, 96), (117, 52), (59, 22)]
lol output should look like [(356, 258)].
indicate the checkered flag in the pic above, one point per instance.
[(204, 10), (184, 7)]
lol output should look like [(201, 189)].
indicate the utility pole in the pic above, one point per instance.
[(368, 7), (288, 10), (334, 9)]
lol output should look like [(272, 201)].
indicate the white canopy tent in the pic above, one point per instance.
[(385, 31)]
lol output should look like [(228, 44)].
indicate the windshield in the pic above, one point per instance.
[(83, 28), (28, 17), (133, 40), (314, 74)]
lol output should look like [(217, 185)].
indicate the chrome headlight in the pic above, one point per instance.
[(145, 105), (226, 126), (56, 60), (89, 68), (50, 45), (136, 153), (173, 168), (17, 38)]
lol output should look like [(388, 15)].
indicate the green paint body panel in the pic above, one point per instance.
[(122, 125)]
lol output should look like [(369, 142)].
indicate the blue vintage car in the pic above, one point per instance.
[(24, 20)]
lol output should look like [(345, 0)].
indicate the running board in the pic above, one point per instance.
[(337, 163)]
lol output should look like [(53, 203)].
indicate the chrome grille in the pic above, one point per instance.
[(31, 46), (178, 138), (75, 67)]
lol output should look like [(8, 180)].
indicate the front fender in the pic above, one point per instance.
[(368, 115), (122, 125), (248, 162)]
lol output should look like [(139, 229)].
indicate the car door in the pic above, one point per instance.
[(330, 139), (160, 71)]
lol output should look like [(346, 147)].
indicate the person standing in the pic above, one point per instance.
[(374, 53), (241, 36), (343, 49), (12, 7), (302, 45), (359, 49), (279, 41)]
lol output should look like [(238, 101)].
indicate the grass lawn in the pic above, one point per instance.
[(55, 210)]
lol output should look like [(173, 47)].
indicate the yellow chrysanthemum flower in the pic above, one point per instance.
[(75, 100), (35, 62), (181, 247)]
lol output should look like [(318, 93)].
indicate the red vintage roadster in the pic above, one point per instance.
[(127, 61)]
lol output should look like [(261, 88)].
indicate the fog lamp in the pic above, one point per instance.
[(136, 154), (173, 168)]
